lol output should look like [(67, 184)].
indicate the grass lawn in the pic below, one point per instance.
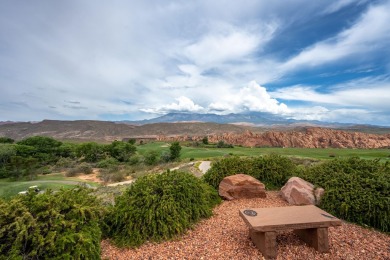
[(200, 153), (55, 181)]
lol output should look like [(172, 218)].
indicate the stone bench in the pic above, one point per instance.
[(308, 222)]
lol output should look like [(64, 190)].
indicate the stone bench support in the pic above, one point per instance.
[(308, 222)]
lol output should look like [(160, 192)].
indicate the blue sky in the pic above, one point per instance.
[(129, 60)]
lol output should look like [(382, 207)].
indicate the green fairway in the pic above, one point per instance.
[(199, 153), (9, 188)]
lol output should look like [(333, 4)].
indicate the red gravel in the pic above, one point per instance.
[(225, 236)]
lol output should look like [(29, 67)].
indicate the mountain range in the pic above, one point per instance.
[(249, 118), (194, 126)]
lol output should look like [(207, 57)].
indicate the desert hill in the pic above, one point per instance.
[(273, 136), (84, 130)]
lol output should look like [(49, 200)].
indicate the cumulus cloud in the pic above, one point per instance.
[(184, 104), (253, 97), (96, 60), (250, 98)]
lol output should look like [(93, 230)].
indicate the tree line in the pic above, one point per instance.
[(31, 155)]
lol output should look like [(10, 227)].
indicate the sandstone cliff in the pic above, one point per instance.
[(309, 138)]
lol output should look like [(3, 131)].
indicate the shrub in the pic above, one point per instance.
[(85, 168), (356, 190), (62, 225), (72, 172), (226, 167), (222, 144), (151, 157), (65, 163), (107, 163), (273, 170), (158, 207), (112, 174)]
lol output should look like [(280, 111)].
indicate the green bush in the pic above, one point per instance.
[(272, 170), (151, 157), (64, 163), (226, 167), (106, 163), (158, 207), (62, 225), (356, 190)]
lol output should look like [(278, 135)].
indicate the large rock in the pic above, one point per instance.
[(300, 192), (241, 186)]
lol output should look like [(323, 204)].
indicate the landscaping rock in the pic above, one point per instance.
[(300, 192), (241, 186)]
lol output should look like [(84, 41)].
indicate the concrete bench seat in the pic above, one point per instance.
[(310, 223)]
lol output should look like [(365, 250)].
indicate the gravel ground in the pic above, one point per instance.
[(225, 236)]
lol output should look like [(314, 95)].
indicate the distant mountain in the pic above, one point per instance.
[(252, 118)]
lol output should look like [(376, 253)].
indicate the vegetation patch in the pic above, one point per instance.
[(158, 207), (273, 170), (61, 225), (356, 190)]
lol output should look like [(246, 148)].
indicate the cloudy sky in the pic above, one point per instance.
[(129, 60)]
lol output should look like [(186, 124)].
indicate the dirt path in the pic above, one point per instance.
[(204, 166)]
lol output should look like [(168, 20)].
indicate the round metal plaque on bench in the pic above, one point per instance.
[(250, 212)]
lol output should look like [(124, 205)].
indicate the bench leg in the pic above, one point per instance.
[(265, 242), (315, 237)]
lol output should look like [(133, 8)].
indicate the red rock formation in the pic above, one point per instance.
[(314, 137)]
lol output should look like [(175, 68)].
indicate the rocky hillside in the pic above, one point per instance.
[(309, 138), (283, 136), (104, 131)]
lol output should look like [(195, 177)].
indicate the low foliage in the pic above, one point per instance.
[(357, 190), (62, 225), (273, 170), (159, 207)]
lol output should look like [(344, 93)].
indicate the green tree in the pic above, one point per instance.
[(42, 144), (205, 140), (132, 141), (45, 148), (175, 149), (91, 151), (122, 151), (23, 167)]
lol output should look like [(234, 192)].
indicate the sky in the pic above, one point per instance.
[(130, 60)]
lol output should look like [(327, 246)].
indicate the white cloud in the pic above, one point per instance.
[(218, 47), (145, 54), (369, 34), (372, 93), (338, 5), (184, 104), (250, 98)]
